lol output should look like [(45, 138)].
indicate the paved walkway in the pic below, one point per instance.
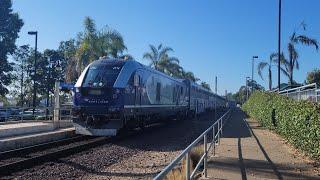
[(248, 151)]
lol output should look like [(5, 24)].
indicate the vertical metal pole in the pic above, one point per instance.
[(56, 111), (247, 95), (315, 91), (279, 44), (215, 101), (214, 140), (218, 132), (35, 75), (252, 75), (205, 156), (187, 166), (221, 125)]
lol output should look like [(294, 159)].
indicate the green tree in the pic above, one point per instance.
[(295, 39), (93, 44), (170, 66), (22, 79), (189, 75), (273, 60), (156, 55), (205, 85), (313, 77), (241, 95), (68, 49), (10, 25)]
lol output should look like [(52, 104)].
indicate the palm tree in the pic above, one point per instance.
[(93, 44), (170, 65), (262, 65), (292, 61), (156, 55), (189, 75)]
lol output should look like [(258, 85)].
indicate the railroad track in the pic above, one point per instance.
[(15, 160), (19, 159)]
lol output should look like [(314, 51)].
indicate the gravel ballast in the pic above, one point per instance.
[(140, 156)]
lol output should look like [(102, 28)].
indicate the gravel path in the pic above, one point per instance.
[(140, 156)]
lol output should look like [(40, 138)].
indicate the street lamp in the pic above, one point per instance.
[(253, 57), (247, 92), (35, 69), (279, 44)]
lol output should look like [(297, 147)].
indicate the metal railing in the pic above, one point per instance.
[(216, 130), (308, 92), (16, 114)]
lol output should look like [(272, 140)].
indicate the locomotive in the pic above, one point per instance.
[(114, 94)]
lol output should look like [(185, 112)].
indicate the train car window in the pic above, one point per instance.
[(158, 91)]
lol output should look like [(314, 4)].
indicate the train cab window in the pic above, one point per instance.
[(158, 91), (101, 75)]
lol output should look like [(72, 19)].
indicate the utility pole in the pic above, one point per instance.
[(216, 84), (247, 93), (279, 44), (253, 57), (215, 102)]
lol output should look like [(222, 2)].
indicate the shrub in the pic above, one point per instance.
[(296, 121)]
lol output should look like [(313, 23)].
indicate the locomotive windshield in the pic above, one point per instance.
[(101, 76)]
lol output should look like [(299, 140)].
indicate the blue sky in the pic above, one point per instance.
[(210, 37)]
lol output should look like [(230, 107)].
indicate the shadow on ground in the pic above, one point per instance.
[(237, 127)]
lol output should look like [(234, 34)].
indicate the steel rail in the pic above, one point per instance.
[(9, 168)]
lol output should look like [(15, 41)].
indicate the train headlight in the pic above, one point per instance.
[(77, 90)]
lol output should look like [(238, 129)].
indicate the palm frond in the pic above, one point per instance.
[(261, 66), (285, 72), (155, 52), (148, 56), (164, 51), (173, 60), (307, 41)]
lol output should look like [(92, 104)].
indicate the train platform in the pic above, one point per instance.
[(19, 135), (248, 151)]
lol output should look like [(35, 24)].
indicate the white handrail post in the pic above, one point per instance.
[(214, 140), (205, 155), (218, 132), (221, 125), (56, 111), (187, 166)]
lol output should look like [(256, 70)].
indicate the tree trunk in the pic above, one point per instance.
[(270, 78), (291, 73)]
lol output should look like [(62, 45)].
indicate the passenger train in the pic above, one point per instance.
[(114, 94)]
